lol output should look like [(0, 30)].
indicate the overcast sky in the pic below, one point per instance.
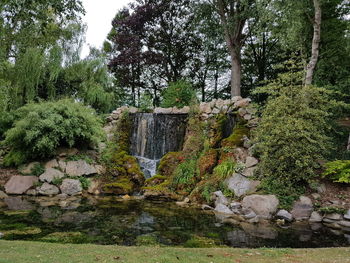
[(99, 15)]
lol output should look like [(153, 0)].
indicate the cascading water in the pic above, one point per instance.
[(154, 135)]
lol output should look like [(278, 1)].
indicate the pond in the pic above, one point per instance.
[(111, 220)]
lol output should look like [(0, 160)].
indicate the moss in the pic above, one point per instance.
[(194, 140), (155, 180), (147, 240), (122, 185), (9, 234), (169, 162), (216, 130), (200, 242), (207, 162), (163, 186), (236, 138), (67, 237)]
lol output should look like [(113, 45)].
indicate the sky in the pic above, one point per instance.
[(99, 15)]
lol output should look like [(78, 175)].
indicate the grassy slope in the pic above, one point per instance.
[(24, 251)]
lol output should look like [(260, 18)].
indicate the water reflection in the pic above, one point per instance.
[(109, 220)]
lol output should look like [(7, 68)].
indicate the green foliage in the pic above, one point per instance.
[(145, 103), (43, 127), (178, 94), (85, 182), (338, 171), (225, 169), (37, 169), (293, 133), (331, 210), (185, 173)]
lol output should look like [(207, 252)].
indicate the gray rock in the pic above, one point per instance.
[(235, 205), (80, 168), (247, 117), (3, 195), (94, 187), (163, 110), (1, 235), (334, 216), (347, 215), (248, 172), (284, 214), (242, 103), (20, 184), (315, 217), (240, 185), (249, 214), (222, 209), (48, 189), (344, 223), (302, 209), (51, 164), (18, 203), (62, 165), (205, 107), (263, 205), (71, 187), (321, 188), (51, 174), (219, 198)]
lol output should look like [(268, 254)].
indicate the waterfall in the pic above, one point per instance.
[(154, 135)]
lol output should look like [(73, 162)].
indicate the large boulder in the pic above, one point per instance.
[(51, 174), (240, 185), (71, 187), (302, 209), (80, 168), (48, 189), (263, 205), (20, 184)]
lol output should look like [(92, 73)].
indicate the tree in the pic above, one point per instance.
[(234, 15), (310, 68)]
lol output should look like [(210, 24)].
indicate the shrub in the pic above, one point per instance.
[(338, 171), (37, 170), (293, 134), (178, 94), (43, 127)]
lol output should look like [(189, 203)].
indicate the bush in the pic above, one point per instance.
[(178, 94), (338, 171), (293, 134), (43, 127)]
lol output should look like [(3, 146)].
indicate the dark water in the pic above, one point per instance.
[(110, 220)]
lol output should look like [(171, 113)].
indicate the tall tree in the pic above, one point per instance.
[(234, 15), (315, 43)]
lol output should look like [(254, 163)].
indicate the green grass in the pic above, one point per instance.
[(26, 251)]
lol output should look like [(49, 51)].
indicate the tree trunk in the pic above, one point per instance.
[(235, 74), (315, 44), (348, 147), (216, 77)]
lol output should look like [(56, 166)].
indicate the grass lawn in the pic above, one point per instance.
[(26, 251)]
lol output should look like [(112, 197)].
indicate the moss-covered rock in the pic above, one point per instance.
[(236, 138), (155, 180), (121, 186), (216, 128), (169, 162)]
